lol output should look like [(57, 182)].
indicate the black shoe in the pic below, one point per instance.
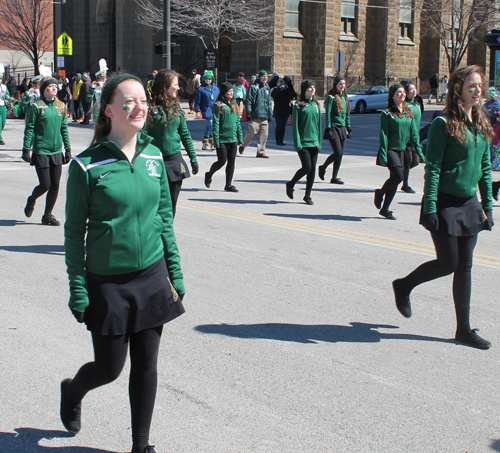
[(49, 219), (321, 172), (148, 449), (471, 338), (208, 180), (408, 189), (263, 156), (387, 214), (30, 207), (402, 299), (2, 142), (231, 189), (308, 200), (70, 415), (241, 149), (379, 197), (289, 190), (495, 187), (336, 181)]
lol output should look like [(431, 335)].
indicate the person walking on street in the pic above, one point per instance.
[(397, 129), (122, 259), (457, 163), (77, 106), (240, 91), (306, 127), (434, 84), (338, 127), (4, 98), (192, 85), (85, 90), (167, 125), (259, 113), (206, 94), (282, 96), (444, 87), (227, 135), (47, 130), (411, 155)]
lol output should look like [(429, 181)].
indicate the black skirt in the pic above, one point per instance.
[(459, 216), (176, 167), (127, 303), (47, 160), (397, 159)]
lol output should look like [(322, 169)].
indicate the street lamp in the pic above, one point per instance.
[(167, 64)]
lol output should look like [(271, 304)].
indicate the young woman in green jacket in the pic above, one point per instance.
[(397, 129), (167, 125), (457, 163), (46, 130), (411, 155), (121, 254), (306, 128), (226, 133), (338, 127)]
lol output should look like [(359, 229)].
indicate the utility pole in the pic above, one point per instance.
[(167, 64)]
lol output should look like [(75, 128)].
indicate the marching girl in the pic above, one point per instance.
[(167, 125), (411, 156), (397, 128), (4, 97), (121, 255), (457, 162), (47, 130), (227, 134), (306, 128), (338, 127)]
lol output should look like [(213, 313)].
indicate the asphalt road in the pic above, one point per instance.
[(291, 341)]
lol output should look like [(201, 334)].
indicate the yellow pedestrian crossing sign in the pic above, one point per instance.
[(64, 45)]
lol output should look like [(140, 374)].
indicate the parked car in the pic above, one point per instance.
[(363, 98)]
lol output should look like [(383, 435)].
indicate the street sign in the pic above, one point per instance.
[(60, 62), (62, 72), (64, 45), (211, 58)]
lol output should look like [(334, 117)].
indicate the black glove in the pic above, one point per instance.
[(67, 156), (195, 167), (488, 222), (78, 315), (349, 134), (181, 296), (430, 221), (26, 156)]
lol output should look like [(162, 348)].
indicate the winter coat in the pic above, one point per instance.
[(206, 95), (258, 101), (282, 100)]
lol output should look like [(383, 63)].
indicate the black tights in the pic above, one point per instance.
[(226, 152), (390, 187), (48, 181), (308, 158), (454, 255), (175, 190), (338, 151), (110, 352)]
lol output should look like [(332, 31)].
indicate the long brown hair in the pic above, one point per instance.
[(334, 92), (159, 97), (392, 105), (456, 118)]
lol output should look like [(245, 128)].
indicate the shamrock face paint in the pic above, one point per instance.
[(126, 108)]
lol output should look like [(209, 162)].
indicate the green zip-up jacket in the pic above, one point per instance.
[(306, 125), (334, 118), (118, 216), (226, 125), (395, 133), (46, 128), (417, 112), (258, 102), (456, 168), (169, 137)]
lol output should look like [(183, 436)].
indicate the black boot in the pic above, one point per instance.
[(282, 137), (277, 136), (402, 298), (30, 206), (70, 414)]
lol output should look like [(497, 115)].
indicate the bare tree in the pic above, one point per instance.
[(237, 20), (457, 24), (26, 26)]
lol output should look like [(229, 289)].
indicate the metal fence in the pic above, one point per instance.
[(20, 72)]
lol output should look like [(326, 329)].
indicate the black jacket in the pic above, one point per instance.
[(282, 100)]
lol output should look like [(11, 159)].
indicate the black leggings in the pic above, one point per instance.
[(454, 255), (338, 151), (175, 190), (308, 158), (226, 152), (49, 179), (110, 352), (390, 187)]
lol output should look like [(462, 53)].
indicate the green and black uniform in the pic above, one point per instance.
[(4, 97), (411, 156), (338, 126), (227, 134), (168, 133), (306, 128), (452, 213)]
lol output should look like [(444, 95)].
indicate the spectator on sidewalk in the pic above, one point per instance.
[(434, 83), (192, 85)]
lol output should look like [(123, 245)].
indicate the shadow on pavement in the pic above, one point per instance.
[(357, 332), (237, 201), (347, 218), (26, 440), (495, 445), (14, 222), (45, 249)]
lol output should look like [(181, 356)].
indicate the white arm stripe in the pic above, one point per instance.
[(96, 164), (84, 168), (150, 157), (444, 119)]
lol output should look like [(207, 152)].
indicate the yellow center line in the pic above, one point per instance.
[(399, 244)]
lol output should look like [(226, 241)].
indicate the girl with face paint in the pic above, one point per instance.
[(167, 125), (457, 163), (122, 258)]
